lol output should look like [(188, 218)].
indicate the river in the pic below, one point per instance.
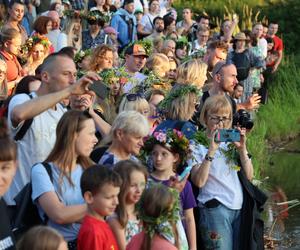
[(284, 184)]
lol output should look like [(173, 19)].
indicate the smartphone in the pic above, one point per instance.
[(100, 88), (185, 172), (227, 135)]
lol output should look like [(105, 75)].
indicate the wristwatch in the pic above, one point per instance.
[(208, 158)]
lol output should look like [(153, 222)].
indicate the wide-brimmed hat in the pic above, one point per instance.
[(241, 36)]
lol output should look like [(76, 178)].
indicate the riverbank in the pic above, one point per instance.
[(279, 120)]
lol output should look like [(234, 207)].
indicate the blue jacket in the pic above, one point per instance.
[(121, 21)]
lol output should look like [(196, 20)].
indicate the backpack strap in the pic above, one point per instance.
[(48, 169), (20, 134)]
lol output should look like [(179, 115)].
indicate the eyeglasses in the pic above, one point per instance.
[(218, 119), (134, 97)]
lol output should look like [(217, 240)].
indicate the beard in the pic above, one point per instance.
[(159, 29)]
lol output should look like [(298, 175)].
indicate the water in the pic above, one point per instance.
[(284, 184)]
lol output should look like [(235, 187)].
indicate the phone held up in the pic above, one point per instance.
[(227, 135), (100, 88)]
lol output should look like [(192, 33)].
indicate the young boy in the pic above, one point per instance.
[(100, 188)]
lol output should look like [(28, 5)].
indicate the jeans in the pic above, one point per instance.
[(219, 227)]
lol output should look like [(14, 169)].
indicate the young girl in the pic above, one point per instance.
[(158, 210), (125, 223), (168, 154), (48, 239)]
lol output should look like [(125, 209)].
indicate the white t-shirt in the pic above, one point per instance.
[(35, 145), (147, 22), (223, 183), (262, 43), (136, 80)]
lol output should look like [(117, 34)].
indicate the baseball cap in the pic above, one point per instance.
[(138, 11), (136, 50)]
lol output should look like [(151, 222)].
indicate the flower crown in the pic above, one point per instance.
[(172, 139), (179, 91), (182, 42), (74, 13), (82, 54), (160, 225), (96, 15), (32, 41), (109, 76)]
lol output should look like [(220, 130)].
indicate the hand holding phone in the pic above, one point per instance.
[(227, 135), (100, 88), (185, 172)]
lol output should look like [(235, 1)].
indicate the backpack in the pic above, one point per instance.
[(26, 213)]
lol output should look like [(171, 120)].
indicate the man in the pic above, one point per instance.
[(15, 16), (54, 33), (159, 27), (58, 76), (238, 92), (224, 83), (278, 44), (199, 46), (257, 31), (135, 60), (124, 22)]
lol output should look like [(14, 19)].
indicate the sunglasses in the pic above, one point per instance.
[(134, 97)]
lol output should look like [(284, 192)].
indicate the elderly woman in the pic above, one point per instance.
[(179, 107), (216, 175), (126, 138)]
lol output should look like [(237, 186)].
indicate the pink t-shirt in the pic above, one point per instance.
[(158, 243)]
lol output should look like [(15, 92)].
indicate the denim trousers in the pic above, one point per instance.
[(220, 227)]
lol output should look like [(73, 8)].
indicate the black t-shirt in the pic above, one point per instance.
[(7, 240)]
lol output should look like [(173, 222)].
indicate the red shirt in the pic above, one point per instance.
[(278, 44), (14, 69), (95, 234)]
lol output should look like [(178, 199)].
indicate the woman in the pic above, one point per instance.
[(60, 200), (178, 108), (170, 24), (184, 26), (8, 167), (192, 72), (216, 174), (38, 49), (126, 138), (10, 49), (102, 58), (146, 27), (136, 102), (3, 83)]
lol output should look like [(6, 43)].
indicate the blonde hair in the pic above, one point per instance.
[(98, 55), (131, 122), (159, 64), (139, 105), (214, 105), (183, 107), (68, 30), (192, 72)]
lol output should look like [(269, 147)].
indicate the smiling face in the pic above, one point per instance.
[(136, 187), (16, 13), (7, 173)]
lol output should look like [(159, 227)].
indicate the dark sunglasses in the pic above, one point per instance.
[(134, 97)]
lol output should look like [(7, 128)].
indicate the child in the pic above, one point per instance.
[(125, 223), (100, 188), (168, 153), (158, 209), (48, 239)]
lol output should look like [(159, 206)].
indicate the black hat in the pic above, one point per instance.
[(127, 2)]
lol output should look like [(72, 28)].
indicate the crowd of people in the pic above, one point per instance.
[(111, 111)]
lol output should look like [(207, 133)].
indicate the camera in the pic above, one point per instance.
[(242, 119), (227, 135)]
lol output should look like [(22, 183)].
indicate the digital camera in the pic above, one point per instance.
[(242, 119)]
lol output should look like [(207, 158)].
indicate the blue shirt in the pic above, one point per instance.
[(66, 193)]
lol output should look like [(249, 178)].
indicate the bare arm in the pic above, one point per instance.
[(34, 107), (278, 61), (58, 212), (140, 29), (228, 36), (118, 231), (190, 228)]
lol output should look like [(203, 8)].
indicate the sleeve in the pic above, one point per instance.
[(40, 181), (188, 200), (144, 20), (115, 22), (16, 100)]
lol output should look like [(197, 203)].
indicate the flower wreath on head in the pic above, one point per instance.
[(95, 15), (161, 225), (146, 43), (80, 55), (180, 90), (172, 139), (32, 41), (74, 13), (110, 76)]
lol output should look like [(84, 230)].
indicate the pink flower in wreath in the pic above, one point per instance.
[(179, 133), (160, 136)]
